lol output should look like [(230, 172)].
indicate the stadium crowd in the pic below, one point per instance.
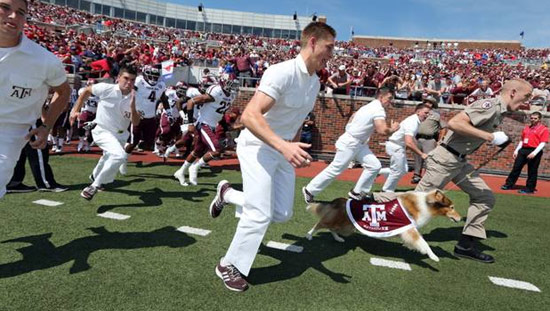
[(449, 74)]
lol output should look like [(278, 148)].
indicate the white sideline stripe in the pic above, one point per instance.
[(47, 202), (112, 215), (191, 230), (285, 247), (390, 264), (514, 284)]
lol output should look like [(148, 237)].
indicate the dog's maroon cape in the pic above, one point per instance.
[(379, 220)]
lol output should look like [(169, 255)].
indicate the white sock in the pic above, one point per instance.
[(234, 197), (185, 166), (224, 263), (171, 149), (201, 162)]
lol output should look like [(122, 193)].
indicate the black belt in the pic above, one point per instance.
[(425, 136), (453, 151)]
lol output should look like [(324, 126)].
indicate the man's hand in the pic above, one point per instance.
[(499, 138), (394, 126), (530, 156), (515, 155), (73, 116), (424, 156), (295, 154), (41, 137)]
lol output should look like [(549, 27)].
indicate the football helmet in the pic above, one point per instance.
[(229, 85), (151, 74), (181, 89)]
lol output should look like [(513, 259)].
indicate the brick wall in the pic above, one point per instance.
[(332, 116)]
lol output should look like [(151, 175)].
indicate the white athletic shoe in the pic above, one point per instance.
[(193, 174), (59, 149), (54, 148), (123, 169), (169, 150), (180, 176)]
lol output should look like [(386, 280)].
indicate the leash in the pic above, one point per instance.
[(489, 159)]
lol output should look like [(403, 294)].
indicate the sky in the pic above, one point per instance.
[(439, 19)]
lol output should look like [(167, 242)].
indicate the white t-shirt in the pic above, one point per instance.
[(113, 108), (91, 103), (211, 113), (27, 71), (361, 125), (147, 96), (294, 91), (408, 127)]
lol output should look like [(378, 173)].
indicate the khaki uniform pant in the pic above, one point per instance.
[(443, 167)]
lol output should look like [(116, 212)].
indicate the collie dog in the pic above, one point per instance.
[(385, 215)]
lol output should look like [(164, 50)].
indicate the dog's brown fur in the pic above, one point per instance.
[(420, 206)]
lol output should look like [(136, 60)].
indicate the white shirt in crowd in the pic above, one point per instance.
[(22, 95), (408, 127), (361, 125), (286, 83), (113, 109), (147, 96)]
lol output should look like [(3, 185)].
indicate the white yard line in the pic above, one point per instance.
[(514, 284), (112, 215), (196, 231), (47, 202), (390, 264), (285, 247)]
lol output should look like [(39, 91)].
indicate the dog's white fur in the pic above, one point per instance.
[(421, 206)]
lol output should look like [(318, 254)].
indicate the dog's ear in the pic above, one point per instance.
[(439, 196)]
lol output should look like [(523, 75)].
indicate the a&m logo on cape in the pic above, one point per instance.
[(379, 220)]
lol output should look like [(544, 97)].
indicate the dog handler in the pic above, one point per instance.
[(267, 153), (469, 129), (23, 92)]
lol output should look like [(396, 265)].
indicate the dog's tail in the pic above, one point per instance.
[(321, 208)]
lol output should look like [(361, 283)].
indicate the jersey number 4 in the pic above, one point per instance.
[(153, 96), (223, 107)]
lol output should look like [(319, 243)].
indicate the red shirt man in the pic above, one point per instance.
[(529, 151)]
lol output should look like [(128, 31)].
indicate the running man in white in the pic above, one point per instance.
[(398, 143), (353, 145), (268, 150), (213, 105), (115, 110), (27, 72)]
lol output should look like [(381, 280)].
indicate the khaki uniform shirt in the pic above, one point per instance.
[(486, 115), (432, 125)]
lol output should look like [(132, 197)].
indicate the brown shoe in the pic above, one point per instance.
[(231, 278)]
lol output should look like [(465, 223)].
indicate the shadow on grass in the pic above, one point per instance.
[(153, 197), (295, 264), (323, 247), (42, 254)]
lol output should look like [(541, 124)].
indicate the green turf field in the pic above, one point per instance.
[(68, 258)]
